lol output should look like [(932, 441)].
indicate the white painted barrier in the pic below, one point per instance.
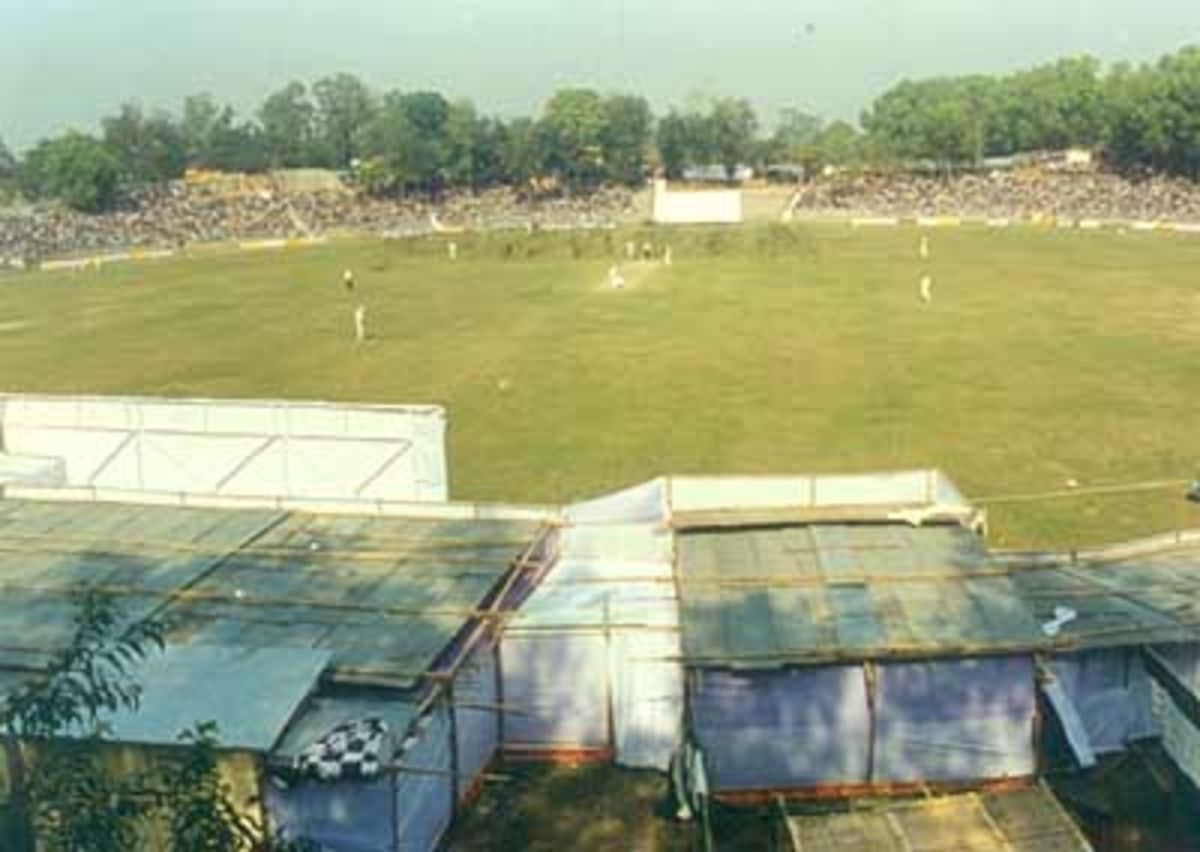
[(96, 261), (875, 222), (262, 245), (703, 207), (266, 449)]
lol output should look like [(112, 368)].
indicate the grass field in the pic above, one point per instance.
[(1045, 356)]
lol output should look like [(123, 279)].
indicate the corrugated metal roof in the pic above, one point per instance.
[(382, 595), (771, 596), (777, 595), (249, 693), (1028, 820), (1133, 600), (50, 552)]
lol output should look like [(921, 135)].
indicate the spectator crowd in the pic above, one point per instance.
[(1005, 195), (177, 215)]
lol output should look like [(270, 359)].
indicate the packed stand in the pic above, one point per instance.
[(1005, 195), (176, 216)]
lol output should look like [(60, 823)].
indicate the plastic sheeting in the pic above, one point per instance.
[(1110, 692), (646, 503), (699, 494), (782, 729), (1181, 737), (558, 683), (599, 638), (424, 799), (955, 720), (235, 448), (249, 693), (647, 697), (32, 471), (347, 816), (949, 721), (476, 715)]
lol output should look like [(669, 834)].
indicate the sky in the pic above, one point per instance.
[(65, 63)]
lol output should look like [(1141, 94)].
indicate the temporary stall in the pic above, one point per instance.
[(348, 661), (1123, 663), (594, 653), (835, 657)]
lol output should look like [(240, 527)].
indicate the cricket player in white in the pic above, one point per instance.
[(360, 323)]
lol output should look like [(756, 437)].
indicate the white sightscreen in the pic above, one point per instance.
[(234, 448), (707, 207)]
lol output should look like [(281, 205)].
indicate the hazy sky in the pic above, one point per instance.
[(67, 62)]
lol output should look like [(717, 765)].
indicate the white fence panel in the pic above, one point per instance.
[(234, 448)]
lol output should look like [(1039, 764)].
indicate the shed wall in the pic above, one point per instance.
[(1111, 693), (591, 660), (425, 799), (941, 721), (1181, 735), (955, 720), (477, 718), (782, 729), (346, 816)]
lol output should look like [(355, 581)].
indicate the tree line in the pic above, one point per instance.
[(1140, 118), (1143, 118)]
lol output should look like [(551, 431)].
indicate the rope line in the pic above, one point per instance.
[(1061, 493)]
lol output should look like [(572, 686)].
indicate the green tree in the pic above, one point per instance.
[(473, 148), (674, 142), (198, 126), (1051, 107), (796, 132), (288, 119), (732, 126), (490, 141), (521, 156), (463, 142), (573, 124), (406, 139), (344, 110), (75, 168), (9, 168), (1181, 110), (838, 144), (236, 146), (625, 138), (946, 120), (8, 163), (149, 148)]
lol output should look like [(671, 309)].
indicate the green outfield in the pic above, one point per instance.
[(1045, 356)]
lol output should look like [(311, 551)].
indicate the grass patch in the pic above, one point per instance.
[(1045, 356)]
